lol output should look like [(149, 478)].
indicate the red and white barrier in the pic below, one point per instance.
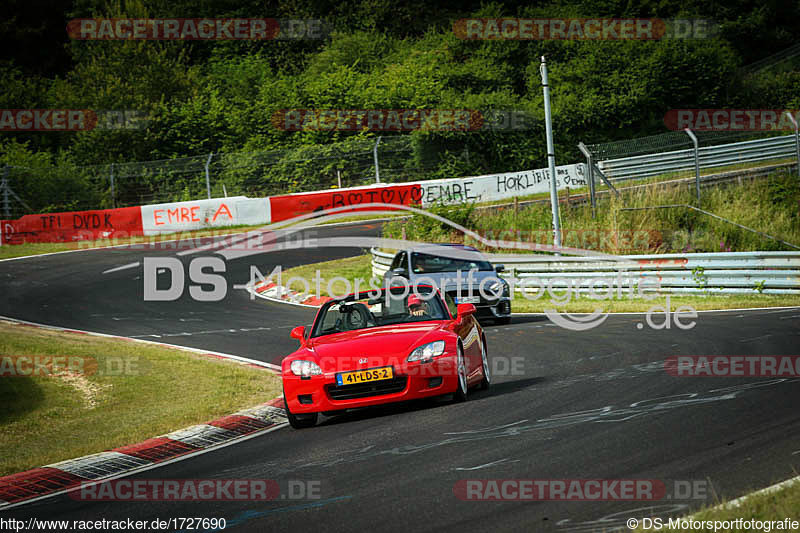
[(485, 188), (202, 214), (176, 217), (491, 187), (73, 226), (291, 205)]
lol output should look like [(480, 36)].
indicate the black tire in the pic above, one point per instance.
[(462, 388), (487, 374), (300, 421)]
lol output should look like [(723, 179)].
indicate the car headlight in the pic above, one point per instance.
[(305, 368), (427, 351)]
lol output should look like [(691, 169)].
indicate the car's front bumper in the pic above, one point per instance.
[(500, 308), (486, 305), (411, 381)]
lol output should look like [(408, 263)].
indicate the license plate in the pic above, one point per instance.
[(468, 300), (364, 376)]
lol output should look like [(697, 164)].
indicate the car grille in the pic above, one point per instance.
[(483, 301), (365, 390)]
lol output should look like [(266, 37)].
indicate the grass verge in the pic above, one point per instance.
[(123, 393), (774, 505), (360, 267), (639, 305)]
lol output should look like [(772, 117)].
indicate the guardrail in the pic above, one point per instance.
[(691, 273), (642, 166)]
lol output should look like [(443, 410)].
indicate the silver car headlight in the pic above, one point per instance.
[(427, 351), (305, 368)]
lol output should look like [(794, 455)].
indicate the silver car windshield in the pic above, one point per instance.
[(426, 263)]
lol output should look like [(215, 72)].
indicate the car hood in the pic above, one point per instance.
[(383, 345), (447, 280)]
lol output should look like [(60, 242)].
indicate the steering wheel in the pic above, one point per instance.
[(358, 317)]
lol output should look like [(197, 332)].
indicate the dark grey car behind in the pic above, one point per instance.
[(462, 273)]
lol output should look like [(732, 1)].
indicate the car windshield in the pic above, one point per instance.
[(369, 310), (427, 263)]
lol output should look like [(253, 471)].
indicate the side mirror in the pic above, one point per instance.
[(499, 268), (299, 333), (399, 272), (465, 310)]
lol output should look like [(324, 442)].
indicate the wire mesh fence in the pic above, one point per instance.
[(353, 162), (665, 142), (672, 155)]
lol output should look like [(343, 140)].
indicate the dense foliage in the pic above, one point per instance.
[(203, 97)]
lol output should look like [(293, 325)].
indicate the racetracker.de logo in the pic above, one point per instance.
[(559, 489), (47, 119), (732, 119), (763, 366), (399, 120), (582, 29), (195, 29), (38, 366), (170, 490), (45, 365)]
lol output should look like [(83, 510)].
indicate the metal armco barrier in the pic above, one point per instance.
[(697, 273), (642, 166)]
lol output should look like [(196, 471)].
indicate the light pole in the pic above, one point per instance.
[(551, 156)]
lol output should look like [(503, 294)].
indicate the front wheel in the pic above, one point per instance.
[(487, 375), (299, 421), (461, 371)]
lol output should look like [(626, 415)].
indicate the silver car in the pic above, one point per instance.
[(463, 274)]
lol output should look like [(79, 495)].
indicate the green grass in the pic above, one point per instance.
[(774, 505), (350, 268), (360, 266), (146, 391), (362, 218), (639, 305)]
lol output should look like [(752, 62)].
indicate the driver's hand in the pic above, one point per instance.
[(418, 312)]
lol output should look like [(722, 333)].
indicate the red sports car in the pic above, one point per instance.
[(382, 346)]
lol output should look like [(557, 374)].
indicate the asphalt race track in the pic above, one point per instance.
[(564, 405)]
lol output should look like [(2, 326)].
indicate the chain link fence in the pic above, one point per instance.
[(673, 155), (670, 141), (359, 161), (352, 162)]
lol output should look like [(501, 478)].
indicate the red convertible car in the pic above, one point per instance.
[(382, 346)]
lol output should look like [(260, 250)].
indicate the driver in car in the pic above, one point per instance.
[(416, 306)]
